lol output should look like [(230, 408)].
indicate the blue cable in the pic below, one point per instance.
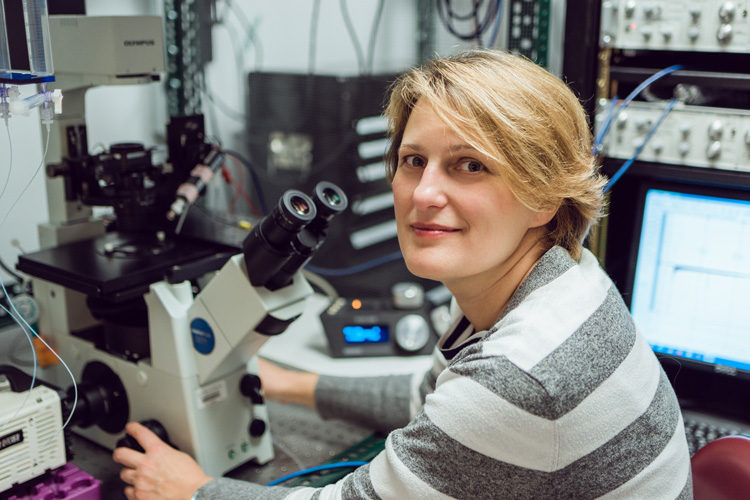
[(606, 123), (18, 316), (625, 166), (643, 85), (303, 472), (347, 271)]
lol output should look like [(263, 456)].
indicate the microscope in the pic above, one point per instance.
[(156, 326), (189, 373)]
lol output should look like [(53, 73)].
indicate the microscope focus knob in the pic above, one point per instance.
[(154, 426), (256, 428), (250, 388)]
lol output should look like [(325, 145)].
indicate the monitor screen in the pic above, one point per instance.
[(691, 280)]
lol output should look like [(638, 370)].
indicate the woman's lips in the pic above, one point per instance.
[(432, 230)]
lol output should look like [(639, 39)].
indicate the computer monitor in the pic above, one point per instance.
[(689, 277)]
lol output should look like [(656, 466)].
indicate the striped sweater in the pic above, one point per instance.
[(561, 398)]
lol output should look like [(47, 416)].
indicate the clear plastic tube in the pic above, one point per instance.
[(4, 49), (22, 107), (37, 36)]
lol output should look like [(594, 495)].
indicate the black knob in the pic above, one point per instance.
[(256, 428), (250, 388), (57, 169), (154, 426)]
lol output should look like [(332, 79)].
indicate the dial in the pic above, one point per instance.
[(412, 332), (724, 35), (727, 12), (713, 151), (715, 130)]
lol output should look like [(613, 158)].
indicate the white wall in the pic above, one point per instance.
[(138, 113)]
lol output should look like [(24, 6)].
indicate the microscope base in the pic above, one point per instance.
[(210, 422)]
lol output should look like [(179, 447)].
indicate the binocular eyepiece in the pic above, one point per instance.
[(285, 240)]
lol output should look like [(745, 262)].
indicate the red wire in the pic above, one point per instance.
[(228, 179), (240, 190)]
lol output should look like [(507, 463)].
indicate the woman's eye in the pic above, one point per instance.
[(414, 161), (472, 166)]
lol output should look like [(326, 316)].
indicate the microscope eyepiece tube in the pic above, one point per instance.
[(269, 245), (295, 210), (330, 200), (303, 246)]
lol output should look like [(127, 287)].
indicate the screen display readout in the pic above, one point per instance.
[(365, 334), (692, 277)]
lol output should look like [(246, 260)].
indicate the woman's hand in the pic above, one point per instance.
[(287, 386), (161, 473)]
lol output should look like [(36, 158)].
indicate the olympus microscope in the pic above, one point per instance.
[(159, 327)]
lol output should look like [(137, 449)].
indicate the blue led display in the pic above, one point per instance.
[(359, 334)]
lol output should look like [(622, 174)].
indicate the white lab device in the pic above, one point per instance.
[(31, 436)]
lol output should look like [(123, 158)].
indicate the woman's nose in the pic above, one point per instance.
[(432, 188)]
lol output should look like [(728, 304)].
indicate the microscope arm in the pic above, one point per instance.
[(231, 319), (260, 292)]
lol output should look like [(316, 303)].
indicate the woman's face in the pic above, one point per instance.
[(457, 219)]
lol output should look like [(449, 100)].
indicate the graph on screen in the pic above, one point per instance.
[(691, 294)]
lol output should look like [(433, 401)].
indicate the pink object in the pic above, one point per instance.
[(65, 483)]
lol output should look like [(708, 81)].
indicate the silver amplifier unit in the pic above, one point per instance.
[(685, 25), (690, 135)]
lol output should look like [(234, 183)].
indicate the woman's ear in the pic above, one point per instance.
[(543, 217)]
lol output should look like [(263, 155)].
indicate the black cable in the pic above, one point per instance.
[(313, 37), (465, 17), (353, 36), (256, 181), (476, 21), (447, 15), (374, 35), (11, 272)]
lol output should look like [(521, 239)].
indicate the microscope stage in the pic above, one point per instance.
[(120, 267)]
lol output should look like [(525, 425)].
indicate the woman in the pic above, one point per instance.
[(542, 388)]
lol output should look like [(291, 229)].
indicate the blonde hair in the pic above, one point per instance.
[(521, 116)]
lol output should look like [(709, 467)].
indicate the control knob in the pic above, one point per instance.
[(256, 428), (622, 120), (727, 12), (713, 151), (651, 11), (412, 332), (250, 388), (724, 34), (629, 8), (715, 130), (643, 123)]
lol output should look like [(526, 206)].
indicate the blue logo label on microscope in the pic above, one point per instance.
[(203, 336)]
